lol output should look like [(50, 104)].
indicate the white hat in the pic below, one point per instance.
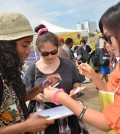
[(14, 26)]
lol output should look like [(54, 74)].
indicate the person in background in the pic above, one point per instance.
[(104, 69), (15, 43), (67, 47), (47, 44), (74, 49), (84, 51), (83, 54), (97, 45), (102, 50), (61, 51), (61, 39), (109, 119)]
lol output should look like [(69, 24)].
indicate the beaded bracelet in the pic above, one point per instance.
[(82, 113)]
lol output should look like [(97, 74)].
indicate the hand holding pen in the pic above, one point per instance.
[(53, 79), (46, 83)]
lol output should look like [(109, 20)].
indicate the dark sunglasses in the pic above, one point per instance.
[(47, 53), (107, 38)]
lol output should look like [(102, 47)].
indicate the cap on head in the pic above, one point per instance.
[(14, 26)]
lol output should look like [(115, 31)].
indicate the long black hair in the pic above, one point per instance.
[(10, 67)]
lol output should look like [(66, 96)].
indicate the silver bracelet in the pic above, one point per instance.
[(82, 112)]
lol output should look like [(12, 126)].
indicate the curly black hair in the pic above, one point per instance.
[(10, 67)]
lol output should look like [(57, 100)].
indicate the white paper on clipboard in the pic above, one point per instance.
[(78, 89), (55, 113)]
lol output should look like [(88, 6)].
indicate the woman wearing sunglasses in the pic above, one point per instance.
[(109, 119), (47, 44)]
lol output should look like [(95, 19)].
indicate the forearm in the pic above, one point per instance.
[(99, 82), (13, 129), (92, 117), (33, 92)]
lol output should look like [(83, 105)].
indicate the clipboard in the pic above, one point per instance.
[(55, 113)]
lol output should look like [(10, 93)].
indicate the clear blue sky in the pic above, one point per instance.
[(64, 13)]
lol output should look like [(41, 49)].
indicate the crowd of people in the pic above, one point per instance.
[(57, 63)]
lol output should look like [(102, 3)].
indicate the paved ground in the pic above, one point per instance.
[(91, 99)]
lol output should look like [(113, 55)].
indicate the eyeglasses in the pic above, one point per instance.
[(107, 38), (47, 53)]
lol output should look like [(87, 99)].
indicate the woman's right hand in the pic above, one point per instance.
[(53, 79), (37, 124), (86, 69), (48, 92)]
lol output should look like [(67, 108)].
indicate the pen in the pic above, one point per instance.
[(56, 84)]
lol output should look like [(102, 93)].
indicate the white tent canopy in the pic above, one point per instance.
[(59, 30)]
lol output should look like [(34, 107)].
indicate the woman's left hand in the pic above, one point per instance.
[(74, 96)]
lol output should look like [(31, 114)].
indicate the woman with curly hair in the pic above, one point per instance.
[(15, 43)]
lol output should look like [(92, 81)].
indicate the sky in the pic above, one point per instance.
[(63, 13)]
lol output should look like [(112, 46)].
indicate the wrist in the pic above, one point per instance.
[(26, 126), (55, 96), (82, 112), (94, 76), (40, 89), (20, 127)]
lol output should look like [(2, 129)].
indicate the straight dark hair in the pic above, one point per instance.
[(68, 41), (45, 37), (111, 21)]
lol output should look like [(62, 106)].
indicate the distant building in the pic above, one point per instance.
[(80, 26), (89, 26)]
